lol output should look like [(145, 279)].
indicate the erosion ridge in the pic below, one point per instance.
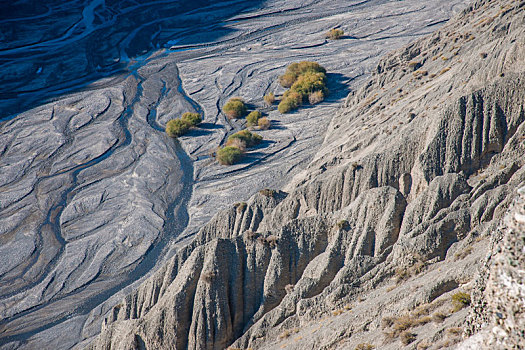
[(391, 218)]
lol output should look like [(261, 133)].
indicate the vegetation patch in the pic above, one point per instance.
[(178, 127), (267, 192), (252, 119), (229, 155), (307, 82), (249, 138), (234, 108), (460, 300), (264, 123), (236, 146), (291, 101), (193, 119), (335, 34), (240, 207)]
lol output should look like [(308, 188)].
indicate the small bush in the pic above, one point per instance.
[(234, 108), (460, 300), (269, 99), (249, 138), (365, 346), (177, 127), (407, 337), (193, 119), (316, 97), (252, 119), (403, 323), (267, 192), (264, 123), (334, 34), (289, 288), (229, 155)]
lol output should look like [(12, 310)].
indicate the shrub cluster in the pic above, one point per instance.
[(236, 145), (264, 123), (307, 82), (334, 34), (178, 127), (234, 108)]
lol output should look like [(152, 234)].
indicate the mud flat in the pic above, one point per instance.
[(94, 197)]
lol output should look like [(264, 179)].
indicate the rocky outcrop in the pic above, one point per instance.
[(391, 218), (497, 314)]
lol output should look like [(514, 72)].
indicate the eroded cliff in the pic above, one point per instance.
[(390, 219)]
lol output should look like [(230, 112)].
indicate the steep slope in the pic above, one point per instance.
[(389, 221)]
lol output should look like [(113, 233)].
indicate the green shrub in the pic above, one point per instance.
[(460, 300), (294, 70), (309, 82), (264, 123), (234, 108), (334, 34), (193, 119), (251, 139), (306, 80), (177, 127), (291, 100), (252, 119), (229, 155), (269, 99)]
